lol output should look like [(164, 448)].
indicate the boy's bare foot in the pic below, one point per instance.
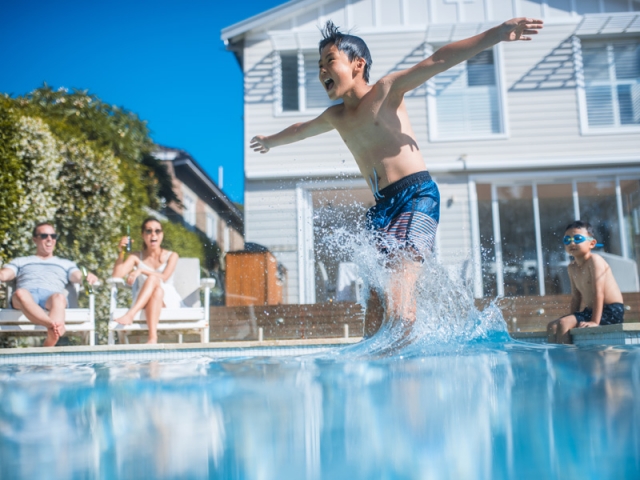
[(126, 319)]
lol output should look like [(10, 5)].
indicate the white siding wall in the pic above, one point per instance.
[(271, 220), (542, 115), (454, 231)]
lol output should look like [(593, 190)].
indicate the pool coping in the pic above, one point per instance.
[(168, 351), (619, 334)]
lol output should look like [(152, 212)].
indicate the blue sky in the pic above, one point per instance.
[(163, 60)]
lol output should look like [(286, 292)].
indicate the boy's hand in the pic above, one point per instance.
[(259, 144), (588, 324), (519, 29)]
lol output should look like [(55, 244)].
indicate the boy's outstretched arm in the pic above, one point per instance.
[(446, 57), (291, 134)]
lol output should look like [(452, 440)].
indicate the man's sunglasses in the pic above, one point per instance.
[(575, 239), (43, 236), (149, 231)]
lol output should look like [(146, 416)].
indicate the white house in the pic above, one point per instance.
[(521, 139)]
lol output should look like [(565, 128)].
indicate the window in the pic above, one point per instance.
[(521, 224), (212, 226), (189, 212), (611, 84), (308, 96), (464, 101)]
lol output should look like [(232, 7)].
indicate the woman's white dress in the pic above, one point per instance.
[(171, 296)]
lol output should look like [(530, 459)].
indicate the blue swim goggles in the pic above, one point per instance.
[(575, 239)]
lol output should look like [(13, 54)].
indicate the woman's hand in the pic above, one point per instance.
[(124, 241), (133, 276)]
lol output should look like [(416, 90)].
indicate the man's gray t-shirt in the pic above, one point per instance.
[(34, 272)]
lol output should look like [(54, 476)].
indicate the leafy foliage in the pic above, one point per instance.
[(70, 158)]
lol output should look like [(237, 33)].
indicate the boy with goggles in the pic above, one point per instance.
[(596, 298)]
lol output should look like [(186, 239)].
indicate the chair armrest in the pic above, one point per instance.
[(207, 282), (115, 281)]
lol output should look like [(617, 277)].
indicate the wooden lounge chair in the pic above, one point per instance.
[(77, 320)]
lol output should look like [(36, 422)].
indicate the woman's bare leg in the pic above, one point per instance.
[(152, 312), (148, 287)]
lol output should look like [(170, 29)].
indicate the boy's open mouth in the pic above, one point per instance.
[(328, 84)]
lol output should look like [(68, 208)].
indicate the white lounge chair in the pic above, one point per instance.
[(77, 320), (193, 317)]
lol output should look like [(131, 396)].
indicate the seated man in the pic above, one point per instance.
[(41, 281)]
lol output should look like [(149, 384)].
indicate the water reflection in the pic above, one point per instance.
[(501, 410)]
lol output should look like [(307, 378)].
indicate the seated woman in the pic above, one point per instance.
[(150, 273)]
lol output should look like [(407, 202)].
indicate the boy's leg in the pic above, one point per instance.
[(401, 298), (374, 314), (552, 330), (564, 325)]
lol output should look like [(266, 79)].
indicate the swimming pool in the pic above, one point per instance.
[(483, 410), (449, 397)]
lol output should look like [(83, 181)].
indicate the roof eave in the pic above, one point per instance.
[(236, 31)]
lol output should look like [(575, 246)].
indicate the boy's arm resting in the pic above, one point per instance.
[(293, 133), (457, 52), (597, 270), (576, 296)]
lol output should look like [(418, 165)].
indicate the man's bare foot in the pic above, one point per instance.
[(152, 341), (52, 337), (126, 319)]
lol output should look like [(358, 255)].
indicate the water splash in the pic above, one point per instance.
[(446, 317)]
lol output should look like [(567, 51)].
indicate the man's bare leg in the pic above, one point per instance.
[(152, 312), (23, 301), (151, 283)]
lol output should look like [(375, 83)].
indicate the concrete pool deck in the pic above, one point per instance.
[(167, 351)]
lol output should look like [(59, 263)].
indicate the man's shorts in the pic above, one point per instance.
[(611, 314), (40, 295), (406, 215)]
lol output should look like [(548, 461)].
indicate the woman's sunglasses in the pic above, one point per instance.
[(575, 239), (149, 231), (43, 236)]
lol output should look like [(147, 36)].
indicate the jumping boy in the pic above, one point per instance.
[(593, 288), (374, 124)]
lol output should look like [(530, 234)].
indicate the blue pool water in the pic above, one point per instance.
[(489, 410), (449, 397)]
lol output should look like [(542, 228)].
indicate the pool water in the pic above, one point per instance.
[(489, 410), (450, 396)]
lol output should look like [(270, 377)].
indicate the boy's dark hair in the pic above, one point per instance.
[(41, 224), (353, 46), (580, 224)]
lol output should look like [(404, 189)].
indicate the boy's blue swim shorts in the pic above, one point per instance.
[(406, 215)]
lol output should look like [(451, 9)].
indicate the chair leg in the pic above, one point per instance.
[(112, 339)]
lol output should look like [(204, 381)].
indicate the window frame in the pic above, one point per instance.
[(302, 87), (432, 115), (530, 179), (581, 93)]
